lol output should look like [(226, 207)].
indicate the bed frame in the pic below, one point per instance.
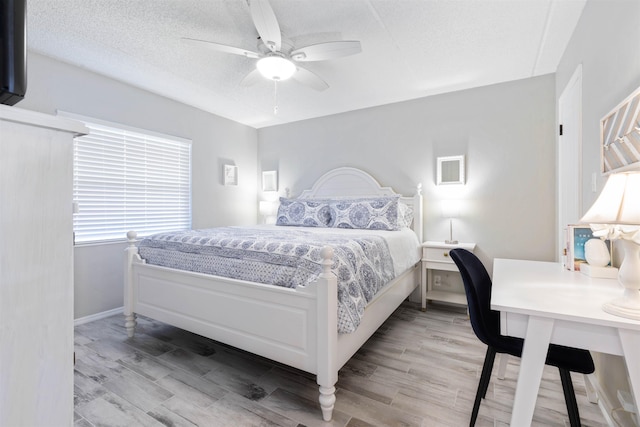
[(296, 327)]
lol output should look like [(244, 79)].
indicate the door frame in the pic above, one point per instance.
[(574, 184)]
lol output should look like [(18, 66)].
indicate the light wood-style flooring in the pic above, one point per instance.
[(419, 369)]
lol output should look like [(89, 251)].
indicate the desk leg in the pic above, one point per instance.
[(534, 355), (630, 341)]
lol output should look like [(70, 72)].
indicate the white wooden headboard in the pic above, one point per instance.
[(347, 182)]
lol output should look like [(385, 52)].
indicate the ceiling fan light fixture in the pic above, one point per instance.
[(275, 67)]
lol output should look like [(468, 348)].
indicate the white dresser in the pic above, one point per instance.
[(36, 268)]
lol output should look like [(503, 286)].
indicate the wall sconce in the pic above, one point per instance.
[(451, 209)]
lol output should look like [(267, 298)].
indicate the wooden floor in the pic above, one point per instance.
[(419, 369)]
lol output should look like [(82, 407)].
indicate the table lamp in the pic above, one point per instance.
[(268, 210), (451, 209), (616, 215)]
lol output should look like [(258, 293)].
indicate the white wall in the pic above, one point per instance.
[(605, 42), (506, 132), (53, 85)]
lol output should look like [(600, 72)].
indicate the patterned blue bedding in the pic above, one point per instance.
[(289, 257)]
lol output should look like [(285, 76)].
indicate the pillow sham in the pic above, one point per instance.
[(303, 212), (405, 215), (378, 213)]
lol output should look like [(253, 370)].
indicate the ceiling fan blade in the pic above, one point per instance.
[(221, 47), (310, 79), (251, 78), (266, 23), (329, 50)]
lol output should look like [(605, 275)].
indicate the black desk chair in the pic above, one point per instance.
[(486, 325)]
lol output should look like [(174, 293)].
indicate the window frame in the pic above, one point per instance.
[(150, 201)]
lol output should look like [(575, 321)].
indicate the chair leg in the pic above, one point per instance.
[(570, 397), (483, 385), (502, 366)]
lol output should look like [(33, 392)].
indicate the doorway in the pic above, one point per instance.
[(569, 157)]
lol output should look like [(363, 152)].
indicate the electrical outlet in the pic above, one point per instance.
[(437, 280)]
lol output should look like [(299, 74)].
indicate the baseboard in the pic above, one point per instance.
[(97, 316)]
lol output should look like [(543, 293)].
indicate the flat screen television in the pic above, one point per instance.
[(13, 51)]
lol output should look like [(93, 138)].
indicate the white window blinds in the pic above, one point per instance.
[(129, 180)]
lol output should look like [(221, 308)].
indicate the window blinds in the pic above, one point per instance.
[(127, 180)]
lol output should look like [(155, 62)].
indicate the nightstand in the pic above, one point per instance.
[(435, 256)]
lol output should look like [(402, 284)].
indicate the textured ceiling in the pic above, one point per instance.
[(410, 48)]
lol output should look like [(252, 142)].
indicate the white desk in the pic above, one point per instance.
[(544, 303)]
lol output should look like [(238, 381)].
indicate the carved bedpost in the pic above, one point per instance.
[(327, 334), (417, 212), (130, 253)]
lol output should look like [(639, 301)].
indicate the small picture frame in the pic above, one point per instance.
[(578, 236), (450, 170), (270, 181), (230, 176)]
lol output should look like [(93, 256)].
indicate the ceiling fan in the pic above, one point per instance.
[(277, 59)]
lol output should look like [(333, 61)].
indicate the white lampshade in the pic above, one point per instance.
[(451, 208), (276, 67), (268, 208), (614, 211), (619, 202)]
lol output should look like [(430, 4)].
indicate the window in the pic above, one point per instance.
[(129, 179)]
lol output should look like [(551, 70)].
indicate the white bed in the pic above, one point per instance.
[(296, 327)]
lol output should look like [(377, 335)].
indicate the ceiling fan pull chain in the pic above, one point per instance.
[(275, 97)]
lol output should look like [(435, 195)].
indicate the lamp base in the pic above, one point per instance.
[(627, 306)]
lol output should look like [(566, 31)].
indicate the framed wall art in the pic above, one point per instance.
[(450, 170), (270, 181), (230, 175), (620, 136)]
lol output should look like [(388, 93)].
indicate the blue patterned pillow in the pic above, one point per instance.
[(303, 212), (379, 213)]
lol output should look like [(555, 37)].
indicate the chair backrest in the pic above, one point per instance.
[(477, 286)]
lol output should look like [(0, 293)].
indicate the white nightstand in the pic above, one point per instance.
[(435, 256)]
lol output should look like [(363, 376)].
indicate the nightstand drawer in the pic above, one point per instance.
[(436, 255)]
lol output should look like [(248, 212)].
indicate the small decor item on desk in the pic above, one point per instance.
[(596, 253), (597, 256), (577, 236)]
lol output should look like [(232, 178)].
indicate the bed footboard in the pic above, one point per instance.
[(296, 327)]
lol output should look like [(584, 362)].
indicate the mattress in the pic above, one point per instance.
[(364, 260)]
